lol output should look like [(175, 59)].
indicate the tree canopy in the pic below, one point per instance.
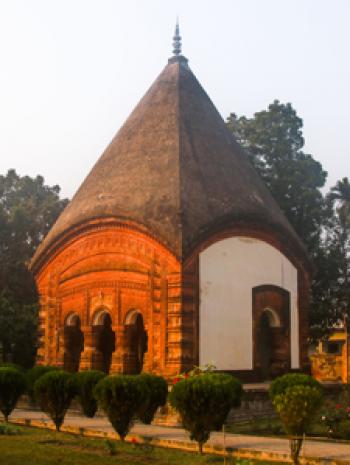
[(28, 208), (273, 140)]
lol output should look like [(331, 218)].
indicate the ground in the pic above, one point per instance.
[(258, 446), (265, 426), (42, 447)]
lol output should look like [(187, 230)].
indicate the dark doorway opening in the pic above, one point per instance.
[(73, 343), (136, 343), (265, 346), (104, 342), (271, 331)]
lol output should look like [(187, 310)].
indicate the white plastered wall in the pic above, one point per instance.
[(228, 271)]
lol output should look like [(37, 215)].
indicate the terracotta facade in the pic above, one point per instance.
[(118, 274), (107, 268)]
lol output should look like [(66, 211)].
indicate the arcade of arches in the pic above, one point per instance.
[(101, 341), (110, 300)]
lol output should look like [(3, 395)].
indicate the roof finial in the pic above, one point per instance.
[(177, 40)]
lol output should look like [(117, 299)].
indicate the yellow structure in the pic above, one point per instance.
[(330, 361)]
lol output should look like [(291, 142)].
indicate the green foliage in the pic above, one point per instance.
[(335, 413), (331, 286), (157, 389), (340, 196), (344, 429), (12, 385), (121, 397), (18, 329), (204, 402), (34, 374), (297, 406), (85, 382), (11, 365), (54, 391), (274, 141), (296, 398), (282, 383), (111, 446), (9, 430), (28, 208)]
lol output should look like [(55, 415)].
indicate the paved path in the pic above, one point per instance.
[(312, 448)]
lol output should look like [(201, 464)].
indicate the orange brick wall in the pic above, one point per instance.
[(118, 269)]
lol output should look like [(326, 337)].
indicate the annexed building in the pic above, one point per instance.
[(330, 359), (173, 253)]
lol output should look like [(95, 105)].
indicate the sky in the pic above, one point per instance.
[(71, 71)]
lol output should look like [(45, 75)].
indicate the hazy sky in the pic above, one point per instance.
[(71, 71)]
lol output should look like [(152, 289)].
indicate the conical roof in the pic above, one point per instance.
[(174, 169)]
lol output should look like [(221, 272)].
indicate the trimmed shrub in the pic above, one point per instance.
[(11, 365), (121, 397), (296, 405), (85, 382), (9, 430), (12, 385), (157, 396), (54, 391), (34, 374), (204, 402), (282, 383)]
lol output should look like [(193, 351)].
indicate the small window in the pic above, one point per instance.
[(334, 347)]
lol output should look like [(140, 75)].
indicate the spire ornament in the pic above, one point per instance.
[(177, 40)]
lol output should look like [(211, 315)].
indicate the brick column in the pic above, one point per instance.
[(117, 355), (60, 347), (87, 356)]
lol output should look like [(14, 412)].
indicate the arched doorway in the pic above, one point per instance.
[(266, 342), (73, 343), (104, 341), (135, 342), (271, 331)]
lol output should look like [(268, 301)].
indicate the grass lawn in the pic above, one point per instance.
[(34, 446)]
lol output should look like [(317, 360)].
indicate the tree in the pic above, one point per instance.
[(121, 397), (296, 399), (54, 392), (204, 401), (340, 196), (12, 385), (18, 324), (34, 374), (273, 140), (158, 393), (28, 208), (85, 382), (331, 285)]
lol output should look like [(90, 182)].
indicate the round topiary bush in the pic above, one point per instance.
[(158, 393), (54, 391), (12, 386), (204, 402), (34, 374), (85, 382), (282, 383), (296, 398), (121, 397), (11, 365)]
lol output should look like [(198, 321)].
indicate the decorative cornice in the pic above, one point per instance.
[(96, 224)]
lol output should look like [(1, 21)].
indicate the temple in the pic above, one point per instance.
[(173, 253)]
